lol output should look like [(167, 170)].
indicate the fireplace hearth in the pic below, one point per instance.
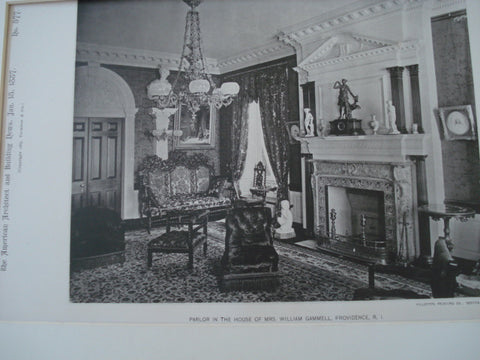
[(383, 187), (377, 175)]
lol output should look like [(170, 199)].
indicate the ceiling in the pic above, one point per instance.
[(228, 27)]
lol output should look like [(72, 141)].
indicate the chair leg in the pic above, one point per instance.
[(190, 259), (149, 258), (205, 231), (149, 223)]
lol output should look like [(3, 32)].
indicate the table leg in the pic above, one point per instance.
[(371, 276), (446, 233), (149, 258)]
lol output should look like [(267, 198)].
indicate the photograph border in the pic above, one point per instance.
[(50, 1)]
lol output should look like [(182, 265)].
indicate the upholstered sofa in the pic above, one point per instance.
[(181, 183)]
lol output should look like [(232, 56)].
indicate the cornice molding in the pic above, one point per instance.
[(288, 42), (113, 55), (270, 51), (448, 4), (330, 21)]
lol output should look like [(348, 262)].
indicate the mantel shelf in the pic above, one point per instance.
[(378, 148)]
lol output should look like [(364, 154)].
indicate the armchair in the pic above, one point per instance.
[(250, 260)]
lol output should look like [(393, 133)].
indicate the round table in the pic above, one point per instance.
[(446, 212)]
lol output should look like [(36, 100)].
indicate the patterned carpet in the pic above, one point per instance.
[(308, 276)]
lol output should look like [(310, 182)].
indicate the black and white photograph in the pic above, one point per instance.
[(188, 188), (248, 179)]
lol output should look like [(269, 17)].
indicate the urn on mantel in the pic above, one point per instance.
[(374, 124)]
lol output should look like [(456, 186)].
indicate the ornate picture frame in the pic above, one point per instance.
[(293, 129), (458, 122), (196, 134)]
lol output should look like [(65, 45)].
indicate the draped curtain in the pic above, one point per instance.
[(272, 96), (269, 88)]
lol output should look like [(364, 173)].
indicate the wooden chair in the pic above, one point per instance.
[(181, 241)]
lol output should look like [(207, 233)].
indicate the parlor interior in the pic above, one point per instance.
[(357, 189)]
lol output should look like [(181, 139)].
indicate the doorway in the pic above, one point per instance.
[(97, 163)]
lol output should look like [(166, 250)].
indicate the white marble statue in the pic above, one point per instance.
[(285, 231), (308, 121), (392, 118)]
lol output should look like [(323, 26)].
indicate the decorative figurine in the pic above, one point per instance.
[(392, 118), (374, 124), (414, 128), (321, 128), (285, 231), (309, 130), (344, 105), (345, 124)]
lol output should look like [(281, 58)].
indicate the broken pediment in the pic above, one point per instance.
[(343, 45)]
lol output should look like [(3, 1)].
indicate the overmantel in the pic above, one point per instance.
[(375, 148)]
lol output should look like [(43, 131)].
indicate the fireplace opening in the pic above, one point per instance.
[(356, 219)]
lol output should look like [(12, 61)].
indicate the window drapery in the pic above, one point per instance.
[(256, 151), (269, 88)]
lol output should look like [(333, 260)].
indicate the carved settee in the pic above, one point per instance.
[(182, 183)]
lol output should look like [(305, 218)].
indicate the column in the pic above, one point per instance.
[(307, 194), (415, 88), (423, 219), (396, 77)]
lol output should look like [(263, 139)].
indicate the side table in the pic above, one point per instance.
[(446, 212), (261, 192)]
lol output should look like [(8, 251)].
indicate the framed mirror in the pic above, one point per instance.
[(198, 133)]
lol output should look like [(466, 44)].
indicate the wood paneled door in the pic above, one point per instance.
[(97, 163)]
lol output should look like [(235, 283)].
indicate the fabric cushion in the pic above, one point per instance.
[(252, 255), (203, 179), (174, 240), (181, 181), (188, 202), (249, 226)]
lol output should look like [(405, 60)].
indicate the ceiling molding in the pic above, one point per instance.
[(270, 51), (113, 55), (359, 11), (444, 6)]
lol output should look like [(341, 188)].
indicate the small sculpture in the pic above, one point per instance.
[(414, 128), (321, 128), (392, 118), (345, 107), (285, 231), (374, 124), (308, 121)]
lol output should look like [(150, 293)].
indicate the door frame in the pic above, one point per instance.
[(100, 92)]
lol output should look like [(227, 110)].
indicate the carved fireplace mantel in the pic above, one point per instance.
[(376, 148), (380, 163)]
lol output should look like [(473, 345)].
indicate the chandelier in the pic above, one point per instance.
[(201, 89)]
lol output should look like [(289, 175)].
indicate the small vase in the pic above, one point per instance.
[(374, 124)]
